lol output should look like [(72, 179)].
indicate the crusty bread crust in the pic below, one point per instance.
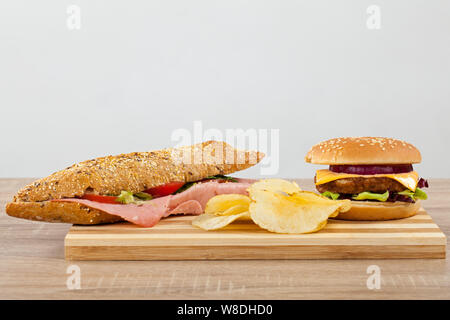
[(65, 212), (375, 211), (133, 172), (363, 150)]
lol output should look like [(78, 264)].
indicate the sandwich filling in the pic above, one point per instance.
[(146, 208), (371, 183)]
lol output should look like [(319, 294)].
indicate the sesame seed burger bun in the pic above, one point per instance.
[(370, 210), (363, 151)]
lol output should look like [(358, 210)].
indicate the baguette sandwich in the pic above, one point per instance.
[(140, 187)]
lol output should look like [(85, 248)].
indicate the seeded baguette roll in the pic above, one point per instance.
[(65, 212), (133, 172)]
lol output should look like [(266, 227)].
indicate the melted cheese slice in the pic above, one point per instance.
[(408, 179)]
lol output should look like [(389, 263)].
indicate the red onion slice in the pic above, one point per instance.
[(372, 169), (423, 183)]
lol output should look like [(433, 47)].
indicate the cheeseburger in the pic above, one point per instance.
[(376, 174)]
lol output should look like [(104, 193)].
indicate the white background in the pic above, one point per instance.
[(138, 70)]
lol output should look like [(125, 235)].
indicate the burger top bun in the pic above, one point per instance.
[(363, 151)]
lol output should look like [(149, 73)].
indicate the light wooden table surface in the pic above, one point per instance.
[(32, 266)]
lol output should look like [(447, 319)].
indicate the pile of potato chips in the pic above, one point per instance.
[(276, 205)]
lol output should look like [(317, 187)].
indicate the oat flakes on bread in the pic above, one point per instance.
[(133, 172)]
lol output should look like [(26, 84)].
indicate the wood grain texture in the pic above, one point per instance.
[(174, 238), (32, 266)]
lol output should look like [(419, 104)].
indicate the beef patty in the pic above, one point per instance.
[(360, 184)]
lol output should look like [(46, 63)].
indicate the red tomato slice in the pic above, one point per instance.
[(99, 198), (165, 189)]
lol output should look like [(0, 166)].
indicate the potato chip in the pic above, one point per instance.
[(299, 212), (274, 204), (209, 221), (275, 185), (233, 210), (224, 202)]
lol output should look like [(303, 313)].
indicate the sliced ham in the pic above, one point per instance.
[(191, 201), (190, 206), (146, 215), (202, 192)]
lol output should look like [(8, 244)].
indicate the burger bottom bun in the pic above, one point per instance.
[(370, 211)]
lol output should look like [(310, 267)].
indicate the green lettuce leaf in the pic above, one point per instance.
[(221, 177), (143, 196), (371, 196), (418, 194), (127, 197), (331, 195), (184, 187)]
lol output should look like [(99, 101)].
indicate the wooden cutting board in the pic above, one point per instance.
[(174, 238)]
